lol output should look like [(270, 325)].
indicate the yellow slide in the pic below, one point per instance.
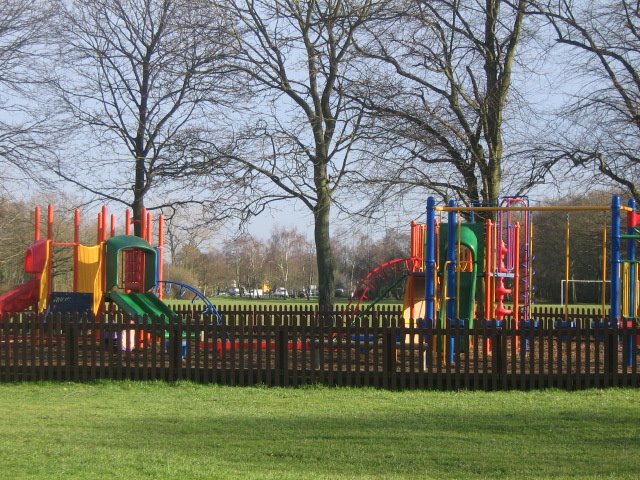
[(45, 279), (90, 273), (414, 301)]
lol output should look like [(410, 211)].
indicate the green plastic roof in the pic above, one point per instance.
[(128, 241), (115, 246)]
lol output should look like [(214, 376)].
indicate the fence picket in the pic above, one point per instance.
[(295, 345)]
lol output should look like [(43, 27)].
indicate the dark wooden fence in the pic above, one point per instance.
[(297, 346)]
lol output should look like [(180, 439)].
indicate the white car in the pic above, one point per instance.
[(281, 292), (256, 293)]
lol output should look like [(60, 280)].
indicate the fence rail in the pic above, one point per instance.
[(306, 346)]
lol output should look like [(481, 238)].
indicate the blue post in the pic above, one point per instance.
[(430, 260), (452, 290), (452, 258), (615, 260), (631, 255)]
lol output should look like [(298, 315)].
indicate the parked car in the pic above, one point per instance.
[(234, 291), (256, 293), (280, 292)]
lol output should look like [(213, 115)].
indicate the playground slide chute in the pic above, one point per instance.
[(141, 304), (90, 273), (414, 301), (37, 262), (21, 298), (381, 281)]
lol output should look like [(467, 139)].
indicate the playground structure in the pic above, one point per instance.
[(452, 262), (122, 271), (463, 344), (508, 256), (459, 272), (119, 269)]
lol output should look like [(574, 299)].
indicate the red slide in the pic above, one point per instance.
[(20, 298)]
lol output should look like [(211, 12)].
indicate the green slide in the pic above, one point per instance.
[(466, 298), (141, 304)]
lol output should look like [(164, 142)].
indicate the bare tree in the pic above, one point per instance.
[(134, 77), (246, 255), (599, 126), (16, 232), (22, 36), (440, 98), (288, 252), (298, 54)]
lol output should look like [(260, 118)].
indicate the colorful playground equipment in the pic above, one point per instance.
[(623, 278), (120, 270), (453, 261)]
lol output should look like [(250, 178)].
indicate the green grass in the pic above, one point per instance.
[(227, 300), (185, 431)]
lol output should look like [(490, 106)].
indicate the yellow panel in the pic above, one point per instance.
[(414, 303), (89, 273), (414, 299), (45, 280)]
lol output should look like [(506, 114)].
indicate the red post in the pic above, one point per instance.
[(50, 222), (76, 246), (488, 280), (488, 271), (127, 222), (103, 228), (149, 227), (38, 219), (113, 225), (143, 223), (76, 226), (99, 232)]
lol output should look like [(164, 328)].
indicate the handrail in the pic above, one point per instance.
[(210, 307)]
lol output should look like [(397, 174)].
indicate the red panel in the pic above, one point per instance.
[(134, 268), (36, 257)]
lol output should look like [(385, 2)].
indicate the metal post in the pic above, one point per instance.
[(615, 260), (37, 220), (631, 255), (76, 249), (452, 287), (452, 259), (50, 222), (430, 260)]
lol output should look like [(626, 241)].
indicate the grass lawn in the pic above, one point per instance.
[(228, 300), (186, 431)]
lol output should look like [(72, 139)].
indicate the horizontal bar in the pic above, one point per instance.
[(580, 208)]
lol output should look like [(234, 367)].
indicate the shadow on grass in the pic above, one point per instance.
[(441, 444), (119, 430)]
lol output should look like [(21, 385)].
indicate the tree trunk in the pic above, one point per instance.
[(326, 281), (138, 197)]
